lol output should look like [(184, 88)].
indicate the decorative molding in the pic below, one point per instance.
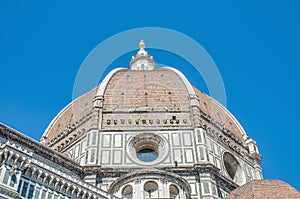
[(25, 144), (67, 133), (53, 177), (226, 137)]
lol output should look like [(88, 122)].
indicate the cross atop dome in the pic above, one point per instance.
[(142, 61)]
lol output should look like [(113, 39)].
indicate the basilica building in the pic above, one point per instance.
[(143, 132)]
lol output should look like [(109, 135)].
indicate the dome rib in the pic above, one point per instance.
[(106, 80)]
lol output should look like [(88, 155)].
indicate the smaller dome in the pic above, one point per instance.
[(260, 189)]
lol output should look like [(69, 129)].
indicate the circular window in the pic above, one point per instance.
[(147, 148), (147, 155), (233, 168)]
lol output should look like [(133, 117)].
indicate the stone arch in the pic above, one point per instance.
[(145, 175)]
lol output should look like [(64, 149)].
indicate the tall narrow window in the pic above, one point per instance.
[(6, 176), (37, 193), (13, 181), (49, 195), (31, 191), (20, 185), (24, 189), (43, 193)]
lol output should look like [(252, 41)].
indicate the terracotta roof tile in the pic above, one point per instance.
[(265, 189)]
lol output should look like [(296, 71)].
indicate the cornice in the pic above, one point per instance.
[(69, 129)]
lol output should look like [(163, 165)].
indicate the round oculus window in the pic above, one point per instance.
[(147, 155), (233, 168), (147, 148)]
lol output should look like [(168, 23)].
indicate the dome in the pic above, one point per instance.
[(128, 99), (143, 132), (259, 189), (144, 129)]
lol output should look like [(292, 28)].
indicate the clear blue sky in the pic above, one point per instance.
[(255, 45)]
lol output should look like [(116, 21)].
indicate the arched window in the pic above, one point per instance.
[(127, 192), (151, 189), (13, 180), (174, 192)]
